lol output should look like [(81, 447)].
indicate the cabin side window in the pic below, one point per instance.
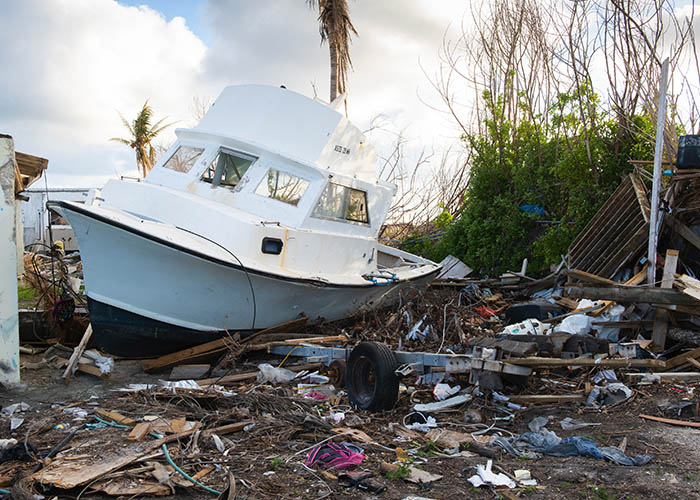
[(227, 169), (282, 186), (342, 203), (184, 159)]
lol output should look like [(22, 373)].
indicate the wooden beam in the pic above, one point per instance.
[(658, 336), (629, 294), (590, 278), (682, 358), (670, 421), (684, 231), (175, 358), (77, 352)]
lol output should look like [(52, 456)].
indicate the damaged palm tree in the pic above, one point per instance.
[(335, 28), (142, 134)]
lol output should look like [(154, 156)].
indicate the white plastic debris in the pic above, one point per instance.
[(522, 474), (77, 413), (218, 443), (269, 373), (443, 391), (104, 363), (526, 327), (484, 476), (609, 394), (11, 409), (15, 422), (447, 403), (337, 417), (429, 423)]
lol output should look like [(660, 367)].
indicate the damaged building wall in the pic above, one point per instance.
[(9, 328)]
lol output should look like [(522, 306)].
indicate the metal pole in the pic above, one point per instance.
[(656, 187)]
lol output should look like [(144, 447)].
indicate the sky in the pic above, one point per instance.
[(71, 66)]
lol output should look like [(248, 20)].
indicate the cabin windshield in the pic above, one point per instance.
[(342, 203), (183, 159), (282, 186), (227, 169)]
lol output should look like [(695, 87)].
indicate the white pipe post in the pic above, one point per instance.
[(9, 317), (656, 187)]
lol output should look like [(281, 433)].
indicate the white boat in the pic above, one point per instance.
[(268, 210)]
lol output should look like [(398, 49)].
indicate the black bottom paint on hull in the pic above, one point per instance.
[(122, 333)]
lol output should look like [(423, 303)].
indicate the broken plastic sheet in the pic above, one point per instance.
[(484, 476), (613, 393), (530, 326), (546, 442)]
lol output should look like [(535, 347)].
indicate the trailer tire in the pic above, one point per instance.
[(371, 382)]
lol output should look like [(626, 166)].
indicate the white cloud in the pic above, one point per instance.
[(71, 64)]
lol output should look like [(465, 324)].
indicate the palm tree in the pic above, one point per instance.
[(335, 28), (142, 133)]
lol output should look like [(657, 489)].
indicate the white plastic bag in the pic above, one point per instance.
[(269, 373)]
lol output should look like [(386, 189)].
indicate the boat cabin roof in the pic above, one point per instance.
[(292, 125)]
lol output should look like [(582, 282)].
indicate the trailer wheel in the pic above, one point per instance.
[(371, 382)]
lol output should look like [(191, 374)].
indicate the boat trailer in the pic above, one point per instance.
[(371, 370)]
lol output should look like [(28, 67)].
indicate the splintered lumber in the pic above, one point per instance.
[(601, 363), (682, 358), (179, 357), (69, 472), (214, 347), (658, 336), (454, 439), (690, 286), (590, 278), (77, 352), (633, 294), (670, 421)]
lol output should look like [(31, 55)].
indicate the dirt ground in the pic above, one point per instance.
[(266, 459)]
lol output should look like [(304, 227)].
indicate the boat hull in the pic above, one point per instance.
[(148, 296)]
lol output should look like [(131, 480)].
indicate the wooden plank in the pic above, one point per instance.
[(227, 429), (139, 431), (630, 294), (175, 358), (589, 278), (77, 352), (658, 336), (684, 231), (694, 362), (115, 417), (670, 421), (641, 191), (601, 363), (682, 358)]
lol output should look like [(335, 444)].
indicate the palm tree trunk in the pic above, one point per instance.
[(334, 68)]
